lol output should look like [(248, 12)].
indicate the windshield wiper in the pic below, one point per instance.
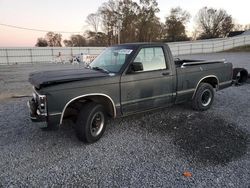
[(100, 69)]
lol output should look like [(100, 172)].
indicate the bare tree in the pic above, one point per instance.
[(41, 42), (175, 25), (68, 43), (129, 11), (149, 25), (93, 20), (240, 27), (247, 27), (78, 40), (54, 39), (226, 26), (110, 15), (75, 41), (214, 23), (129, 21), (97, 39)]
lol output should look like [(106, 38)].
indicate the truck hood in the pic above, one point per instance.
[(46, 78)]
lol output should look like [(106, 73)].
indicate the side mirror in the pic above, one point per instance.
[(136, 66)]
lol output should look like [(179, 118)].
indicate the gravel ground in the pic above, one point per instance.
[(146, 150)]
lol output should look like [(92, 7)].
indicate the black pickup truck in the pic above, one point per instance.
[(124, 80)]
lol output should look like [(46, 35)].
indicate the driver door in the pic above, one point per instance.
[(150, 88)]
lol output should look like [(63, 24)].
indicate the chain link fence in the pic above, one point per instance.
[(34, 55), (10, 56), (208, 46)]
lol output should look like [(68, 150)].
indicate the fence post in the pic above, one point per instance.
[(31, 58), (178, 49), (7, 56), (52, 52)]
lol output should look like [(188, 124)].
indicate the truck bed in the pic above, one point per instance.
[(191, 72)]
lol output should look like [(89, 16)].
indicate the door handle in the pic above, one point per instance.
[(165, 73)]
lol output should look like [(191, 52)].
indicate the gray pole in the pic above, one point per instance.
[(119, 37), (119, 27), (7, 56), (31, 58)]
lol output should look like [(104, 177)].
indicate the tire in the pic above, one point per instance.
[(204, 97), (91, 122), (240, 75)]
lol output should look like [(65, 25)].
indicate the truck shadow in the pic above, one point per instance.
[(201, 138), (212, 141)]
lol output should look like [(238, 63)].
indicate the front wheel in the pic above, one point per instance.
[(91, 122), (204, 97)]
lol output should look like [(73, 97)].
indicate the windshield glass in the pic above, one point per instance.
[(112, 59)]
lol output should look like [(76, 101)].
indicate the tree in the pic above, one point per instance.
[(247, 27), (53, 39), (41, 42), (239, 27), (96, 39), (214, 23), (175, 25), (129, 11), (149, 26), (110, 16), (134, 21), (68, 43), (75, 41), (78, 40), (93, 20), (227, 26)]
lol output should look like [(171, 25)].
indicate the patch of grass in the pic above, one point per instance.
[(245, 48)]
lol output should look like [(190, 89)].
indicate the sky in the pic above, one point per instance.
[(70, 16)]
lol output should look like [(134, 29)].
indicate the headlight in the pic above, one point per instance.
[(41, 102)]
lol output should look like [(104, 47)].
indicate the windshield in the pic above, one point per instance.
[(112, 59)]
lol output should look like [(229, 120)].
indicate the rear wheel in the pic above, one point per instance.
[(204, 97), (91, 122)]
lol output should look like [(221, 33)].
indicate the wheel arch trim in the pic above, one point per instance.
[(87, 95), (209, 76)]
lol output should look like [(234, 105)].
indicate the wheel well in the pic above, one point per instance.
[(73, 108), (211, 80), (105, 102)]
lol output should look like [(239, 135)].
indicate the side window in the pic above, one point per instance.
[(151, 58)]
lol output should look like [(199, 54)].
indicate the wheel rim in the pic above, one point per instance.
[(97, 123), (206, 97)]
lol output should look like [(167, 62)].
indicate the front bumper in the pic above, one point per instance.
[(35, 114)]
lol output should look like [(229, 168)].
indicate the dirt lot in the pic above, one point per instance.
[(150, 149)]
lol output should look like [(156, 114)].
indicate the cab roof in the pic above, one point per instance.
[(137, 44)]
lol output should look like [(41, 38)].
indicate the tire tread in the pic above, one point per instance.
[(196, 104)]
